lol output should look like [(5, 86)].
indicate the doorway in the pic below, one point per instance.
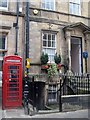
[(37, 94), (76, 55)]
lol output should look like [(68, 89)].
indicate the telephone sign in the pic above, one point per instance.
[(12, 82)]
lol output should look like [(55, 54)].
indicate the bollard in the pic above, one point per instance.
[(26, 91)]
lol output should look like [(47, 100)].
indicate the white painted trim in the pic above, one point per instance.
[(81, 95)]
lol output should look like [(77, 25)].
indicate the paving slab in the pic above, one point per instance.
[(19, 113)]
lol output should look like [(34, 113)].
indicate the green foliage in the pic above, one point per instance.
[(44, 58), (57, 58), (52, 70)]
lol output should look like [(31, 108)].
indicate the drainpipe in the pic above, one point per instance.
[(27, 56), (16, 27), (27, 32)]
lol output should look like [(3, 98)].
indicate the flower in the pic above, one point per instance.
[(44, 66)]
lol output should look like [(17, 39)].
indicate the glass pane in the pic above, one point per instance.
[(43, 5), (49, 96), (54, 96), (74, 9), (49, 36), (53, 44), (54, 87), (48, 6), (44, 43), (53, 37), (52, 6), (50, 52), (49, 43), (77, 9), (71, 8), (45, 36), (2, 42), (13, 72), (3, 3), (13, 67)]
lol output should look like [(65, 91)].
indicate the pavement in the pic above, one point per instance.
[(19, 113), (77, 112)]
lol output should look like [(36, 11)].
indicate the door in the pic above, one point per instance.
[(12, 85), (76, 55)]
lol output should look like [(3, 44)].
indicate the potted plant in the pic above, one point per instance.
[(44, 60), (57, 59)]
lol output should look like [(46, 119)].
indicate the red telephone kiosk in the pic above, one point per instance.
[(12, 82)]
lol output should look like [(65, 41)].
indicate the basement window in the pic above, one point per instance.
[(52, 93)]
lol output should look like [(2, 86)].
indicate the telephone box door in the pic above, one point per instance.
[(12, 82)]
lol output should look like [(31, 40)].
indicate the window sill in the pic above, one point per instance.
[(3, 50), (3, 8)]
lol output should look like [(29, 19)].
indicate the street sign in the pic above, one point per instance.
[(85, 54)]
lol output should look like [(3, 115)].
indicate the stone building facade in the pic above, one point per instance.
[(68, 22), (8, 16), (62, 27), (55, 26)]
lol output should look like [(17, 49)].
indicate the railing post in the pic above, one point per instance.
[(88, 82), (60, 99), (33, 92)]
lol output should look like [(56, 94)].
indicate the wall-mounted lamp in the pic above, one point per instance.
[(35, 11)]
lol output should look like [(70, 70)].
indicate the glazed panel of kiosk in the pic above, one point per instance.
[(12, 82)]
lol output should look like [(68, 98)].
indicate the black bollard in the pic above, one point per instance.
[(26, 91)]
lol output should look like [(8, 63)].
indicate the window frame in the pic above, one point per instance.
[(72, 5), (5, 41), (46, 48), (3, 50), (52, 91), (45, 3), (4, 8)]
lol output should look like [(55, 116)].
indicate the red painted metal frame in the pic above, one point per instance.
[(12, 82)]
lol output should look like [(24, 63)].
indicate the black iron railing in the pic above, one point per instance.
[(75, 84)]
